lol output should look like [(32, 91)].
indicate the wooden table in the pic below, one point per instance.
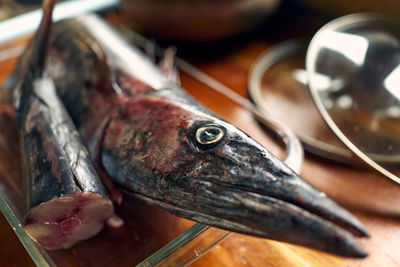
[(374, 200)]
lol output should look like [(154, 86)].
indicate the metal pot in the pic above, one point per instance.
[(196, 19)]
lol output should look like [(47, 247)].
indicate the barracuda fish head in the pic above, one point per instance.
[(172, 153)]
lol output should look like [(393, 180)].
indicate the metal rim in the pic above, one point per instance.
[(260, 67), (345, 21)]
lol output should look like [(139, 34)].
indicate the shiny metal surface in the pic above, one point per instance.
[(278, 83), (353, 65)]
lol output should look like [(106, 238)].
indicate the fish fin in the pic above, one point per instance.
[(115, 194), (115, 221), (41, 39), (92, 47), (150, 50), (168, 67), (108, 77), (94, 148)]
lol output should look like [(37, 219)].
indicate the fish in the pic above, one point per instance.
[(64, 198), (149, 138), (156, 142)]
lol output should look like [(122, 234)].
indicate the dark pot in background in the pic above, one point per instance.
[(195, 19)]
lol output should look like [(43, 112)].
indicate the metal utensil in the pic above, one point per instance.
[(278, 83), (358, 57)]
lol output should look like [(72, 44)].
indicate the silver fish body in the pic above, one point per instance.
[(65, 200)]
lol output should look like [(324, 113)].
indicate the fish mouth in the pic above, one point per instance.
[(324, 225)]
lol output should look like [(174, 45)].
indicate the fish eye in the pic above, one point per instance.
[(209, 134)]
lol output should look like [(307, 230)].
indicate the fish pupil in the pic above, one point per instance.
[(209, 134)]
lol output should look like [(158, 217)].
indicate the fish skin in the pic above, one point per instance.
[(160, 145), (65, 200)]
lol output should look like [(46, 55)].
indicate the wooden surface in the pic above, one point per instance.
[(375, 201)]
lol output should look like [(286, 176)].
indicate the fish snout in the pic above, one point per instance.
[(239, 186), (242, 209)]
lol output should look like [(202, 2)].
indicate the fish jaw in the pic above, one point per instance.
[(189, 162), (262, 216)]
